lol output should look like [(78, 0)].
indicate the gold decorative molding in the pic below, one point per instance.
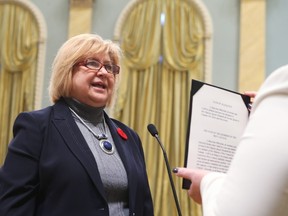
[(80, 17), (81, 3), (252, 44)]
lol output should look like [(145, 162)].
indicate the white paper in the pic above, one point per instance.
[(218, 119)]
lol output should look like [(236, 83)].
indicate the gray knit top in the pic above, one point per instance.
[(110, 166)]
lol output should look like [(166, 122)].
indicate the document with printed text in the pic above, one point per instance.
[(217, 119)]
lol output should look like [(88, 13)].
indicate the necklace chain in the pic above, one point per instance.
[(100, 136), (104, 143)]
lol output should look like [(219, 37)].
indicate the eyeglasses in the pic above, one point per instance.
[(96, 65)]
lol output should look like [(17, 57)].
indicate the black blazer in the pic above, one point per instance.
[(50, 171)]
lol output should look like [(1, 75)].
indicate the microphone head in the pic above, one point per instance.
[(152, 129)]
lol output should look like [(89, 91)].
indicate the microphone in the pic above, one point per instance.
[(153, 131)]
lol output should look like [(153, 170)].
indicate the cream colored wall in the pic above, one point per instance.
[(225, 15), (276, 34)]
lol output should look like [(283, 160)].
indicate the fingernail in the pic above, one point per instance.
[(175, 170)]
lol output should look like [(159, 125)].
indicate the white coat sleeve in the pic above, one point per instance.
[(257, 181)]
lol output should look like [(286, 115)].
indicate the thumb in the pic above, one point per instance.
[(183, 172)]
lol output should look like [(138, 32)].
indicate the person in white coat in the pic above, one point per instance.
[(256, 183)]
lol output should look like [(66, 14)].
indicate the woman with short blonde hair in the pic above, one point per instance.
[(71, 158)]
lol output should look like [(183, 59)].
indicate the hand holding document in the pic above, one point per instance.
[(217, 120)]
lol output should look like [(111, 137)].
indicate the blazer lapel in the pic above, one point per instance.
[(75, 141), (126, 154)]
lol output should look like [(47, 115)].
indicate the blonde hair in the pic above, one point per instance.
[(74, 50)]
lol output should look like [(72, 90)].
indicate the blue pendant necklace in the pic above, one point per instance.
[(104, 143)]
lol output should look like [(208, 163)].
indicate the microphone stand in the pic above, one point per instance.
[(170, 175)]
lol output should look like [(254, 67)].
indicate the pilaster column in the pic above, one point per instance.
[(80, 17), (252, 44)]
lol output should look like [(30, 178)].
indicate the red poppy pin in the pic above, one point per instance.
[(122, 134)]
